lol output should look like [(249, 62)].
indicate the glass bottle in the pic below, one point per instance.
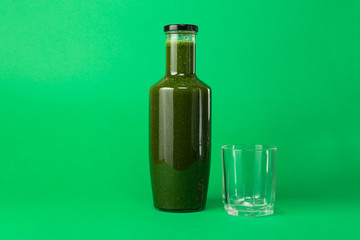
[(180, 127)]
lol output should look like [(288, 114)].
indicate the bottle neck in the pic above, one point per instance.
[(180, 53)]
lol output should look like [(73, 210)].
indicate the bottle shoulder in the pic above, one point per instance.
[(180, 81), (158, 83), (203, 84)]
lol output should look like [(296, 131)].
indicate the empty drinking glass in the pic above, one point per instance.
[(249, 179)]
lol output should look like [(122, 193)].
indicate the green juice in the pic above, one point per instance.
[(180, 133)]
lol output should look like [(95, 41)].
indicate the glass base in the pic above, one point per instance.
[(249, 211)]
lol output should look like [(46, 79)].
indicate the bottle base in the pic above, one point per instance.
[(180, 210)]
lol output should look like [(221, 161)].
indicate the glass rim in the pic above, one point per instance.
[(248, 147)]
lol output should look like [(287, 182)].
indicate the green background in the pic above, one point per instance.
[(74, 83)]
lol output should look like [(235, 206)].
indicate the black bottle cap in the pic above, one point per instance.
[(185, 27)]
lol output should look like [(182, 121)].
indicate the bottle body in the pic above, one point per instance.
[(180, 144), (180, 122)]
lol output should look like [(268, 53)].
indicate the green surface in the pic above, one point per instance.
[(74, 82)]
